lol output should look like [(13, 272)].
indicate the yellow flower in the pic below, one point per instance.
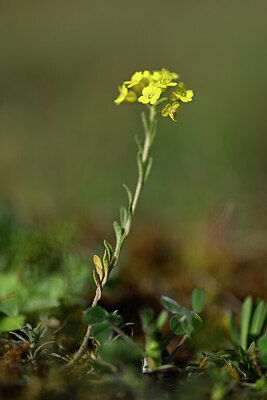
[(147, 77), (135, 79), (139, 80), (180, 93), (163, 78), (150, 94), (131, 97), (171, 110), (172, 75), (125, 95)]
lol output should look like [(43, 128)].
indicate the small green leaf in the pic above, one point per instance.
[(262, 346), (171, 305), (262, 343), (109, 250), (130, 196), (197, 322), (162, 319), (189, 329), (233, 328), (245, 321), (117, 230), (252, 347), (177, 327), (9, 307), (146, 318), (258, 318), (8, 324), (123, 217), (198, 300), (18, 336), (138, 143), (95, 315), (102, 332), (148, 168), (120, 352), (114, 318), (106, 264)]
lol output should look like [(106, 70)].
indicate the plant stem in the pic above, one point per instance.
[(123, 335), (176, 349), (149, 137)]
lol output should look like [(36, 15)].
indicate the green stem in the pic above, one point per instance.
[(149, 137)]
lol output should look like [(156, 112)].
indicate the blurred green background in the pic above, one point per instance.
[(66, 148)]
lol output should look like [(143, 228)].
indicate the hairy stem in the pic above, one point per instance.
[(149, 137)]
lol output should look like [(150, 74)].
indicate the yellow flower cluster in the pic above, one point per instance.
[(147, 87)]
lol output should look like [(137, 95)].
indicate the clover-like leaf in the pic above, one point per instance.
[(95, 315), (171, 305), (198, 300)]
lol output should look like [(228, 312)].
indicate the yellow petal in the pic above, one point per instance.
[(143, 99), (166, 110)]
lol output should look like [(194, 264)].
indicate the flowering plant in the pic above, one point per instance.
[(148, 88)]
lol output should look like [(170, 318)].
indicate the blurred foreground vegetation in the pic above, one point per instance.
[(46, 279)]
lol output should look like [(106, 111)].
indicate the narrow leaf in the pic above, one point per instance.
[(106, 263), (162, 319), (123, 217), (146, 318), (258, 318), (99, 267), (138, 143), (245, 321), (198, 300), (130, 196), (117, 230), (148, 168), (109, 250), (19, 336), (233, 328)]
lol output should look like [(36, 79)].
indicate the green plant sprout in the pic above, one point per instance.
[(155, 356), (183, 322), (252, 321), (33, 338), (149, 89), (247, 361)]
